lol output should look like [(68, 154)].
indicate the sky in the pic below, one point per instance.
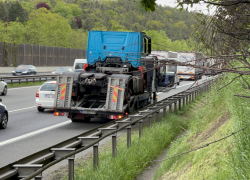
[(199, 7)]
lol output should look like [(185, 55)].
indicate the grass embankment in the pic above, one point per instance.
[(131, 162), (222, 115), (24, 84)]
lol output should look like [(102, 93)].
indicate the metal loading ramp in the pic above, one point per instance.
[(63, 92), (115, 93)]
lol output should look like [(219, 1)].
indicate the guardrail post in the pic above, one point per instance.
[(95, 158), (175, 107), (187, 99), (71, 168), (140, 129), (114, 145), (179, 104), (170, 108), (193, 96), (183, 101), (190, 96), (60, 152), (128, 136), (164, 111), (150, 121), (157, 116)]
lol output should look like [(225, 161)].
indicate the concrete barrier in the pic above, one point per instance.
[(7, 70)]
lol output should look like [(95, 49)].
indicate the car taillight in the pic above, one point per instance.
[(37, 94), (58, 113)]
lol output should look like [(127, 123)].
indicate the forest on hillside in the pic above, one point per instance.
[(66, 23)]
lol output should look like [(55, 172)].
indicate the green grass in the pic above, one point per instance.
[(222, 114), (131, 162), (16, 85)]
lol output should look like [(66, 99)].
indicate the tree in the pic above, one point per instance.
[(16, 11), (45, 28), (2, 11), (44, 5), (78, 22), (28, 6)]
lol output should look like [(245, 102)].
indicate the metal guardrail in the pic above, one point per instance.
[(33, 166), (27, 78)]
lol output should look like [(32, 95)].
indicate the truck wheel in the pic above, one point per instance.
[(86, 119), (40, 109)]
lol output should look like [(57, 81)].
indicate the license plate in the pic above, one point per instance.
[(49, 95), (88, 112)]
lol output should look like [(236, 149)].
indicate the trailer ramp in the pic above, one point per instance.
[(63, 92), (115, 94)]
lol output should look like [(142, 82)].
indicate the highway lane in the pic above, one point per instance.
[(19, 98), (24, 124)]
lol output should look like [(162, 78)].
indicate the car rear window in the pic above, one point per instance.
[(48, 87)]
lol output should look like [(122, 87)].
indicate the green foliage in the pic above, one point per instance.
[(160, 41), (46, 28), (56, 27), (28, 6), (6, 54), (2, 11), (16, 11)]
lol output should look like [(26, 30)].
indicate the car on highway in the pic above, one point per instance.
[(61, 70), (24, 70), (3, 87), (3, 115), (79, 65), (45, 96)]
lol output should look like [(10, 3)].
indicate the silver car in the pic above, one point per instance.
[(3, 87)]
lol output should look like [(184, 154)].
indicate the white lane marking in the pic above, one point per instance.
[(22, 109), (34, 133), (22, 87)]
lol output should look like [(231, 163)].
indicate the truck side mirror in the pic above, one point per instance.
[(1, 100)]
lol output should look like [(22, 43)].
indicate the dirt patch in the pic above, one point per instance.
[(176, 175), (213, 127)]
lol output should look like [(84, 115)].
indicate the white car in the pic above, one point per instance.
[(45, 96), (3, 87)]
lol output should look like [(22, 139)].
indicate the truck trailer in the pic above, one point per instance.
[(193, 58), (115, 79)]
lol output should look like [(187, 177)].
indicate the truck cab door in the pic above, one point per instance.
[(167, 78)]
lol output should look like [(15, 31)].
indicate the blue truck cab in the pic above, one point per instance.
[(123, 46)]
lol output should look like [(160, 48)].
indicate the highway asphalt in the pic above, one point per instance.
[(29, 131)]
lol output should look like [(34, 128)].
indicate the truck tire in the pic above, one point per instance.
[(86, 119), (40, 109)]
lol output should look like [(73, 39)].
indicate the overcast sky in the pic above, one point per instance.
[(172, 3)]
